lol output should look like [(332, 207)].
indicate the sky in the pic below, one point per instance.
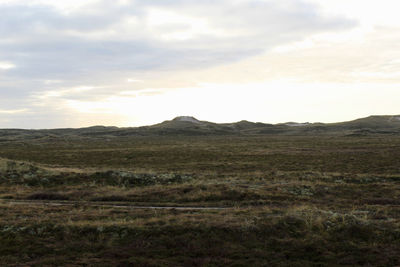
[(76, 63)]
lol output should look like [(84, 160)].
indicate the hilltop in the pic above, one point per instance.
[(190, 126)]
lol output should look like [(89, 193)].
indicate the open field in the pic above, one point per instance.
[(284, 201)]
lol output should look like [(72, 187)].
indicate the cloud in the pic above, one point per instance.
[(367, 13), (59, 45), (149, 35), (12, 111), (6, 65)]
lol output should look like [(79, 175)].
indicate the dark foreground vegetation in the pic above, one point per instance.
[(283, 201)]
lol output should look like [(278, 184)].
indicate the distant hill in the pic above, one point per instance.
[(190, 126)]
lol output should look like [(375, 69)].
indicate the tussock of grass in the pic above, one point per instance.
[(47, 196)]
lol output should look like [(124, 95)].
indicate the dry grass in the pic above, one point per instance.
[(293, 201)]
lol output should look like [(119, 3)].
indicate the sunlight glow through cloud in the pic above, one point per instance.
[(2, 111), (250, 101), (6, 65)]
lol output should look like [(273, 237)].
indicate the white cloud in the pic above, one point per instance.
[(6, 65), (65, 92), (12, 111), (368, 13), (173, 26), (66, 6), (51, 82), (129, 80)]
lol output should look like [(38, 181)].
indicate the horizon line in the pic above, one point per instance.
[(121, 127)]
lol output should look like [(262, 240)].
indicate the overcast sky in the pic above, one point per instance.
[(74, 63)]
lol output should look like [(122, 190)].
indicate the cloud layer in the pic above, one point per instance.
[(52, 52)]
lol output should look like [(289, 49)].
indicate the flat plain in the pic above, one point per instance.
[(261, 200)]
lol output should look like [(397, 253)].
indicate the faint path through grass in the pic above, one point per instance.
[(115, 205)]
